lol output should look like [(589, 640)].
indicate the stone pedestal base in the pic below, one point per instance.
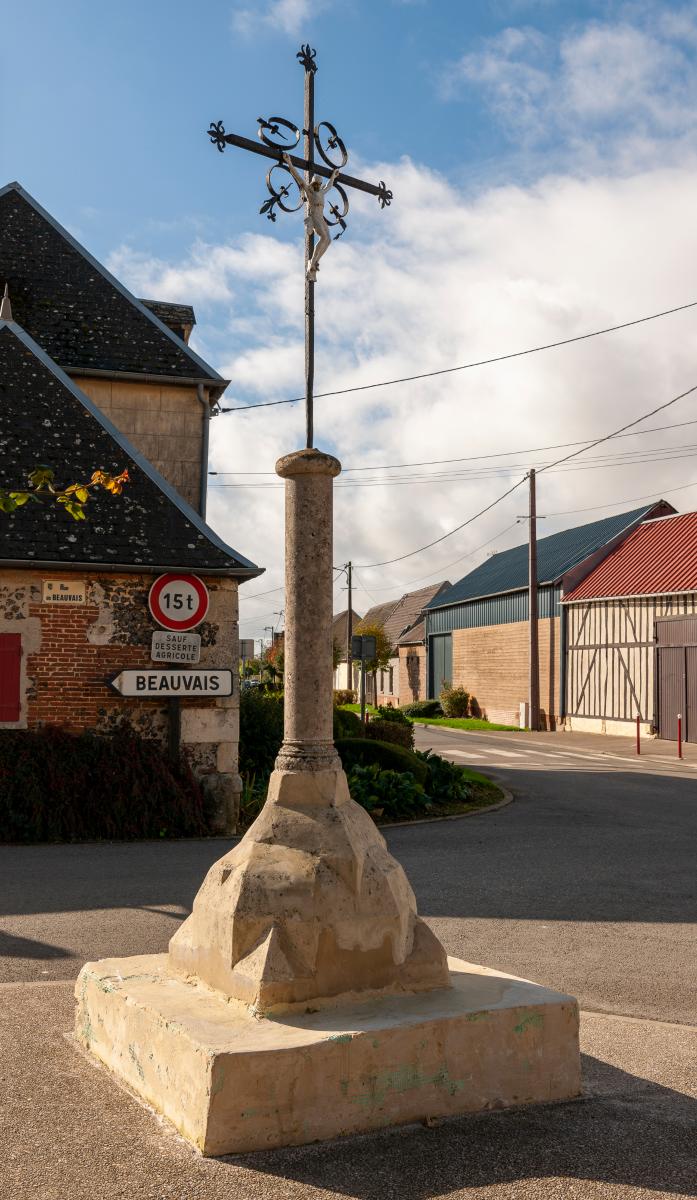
[(232, 1083)]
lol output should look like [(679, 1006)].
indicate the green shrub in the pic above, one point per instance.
[(455, 701), (422, 708), (363, 752), (252, 799), (392, 793), (346, 724), (344, 696), (391, 731), (261, 732), (445, 783), (395, 715), (67, 787)]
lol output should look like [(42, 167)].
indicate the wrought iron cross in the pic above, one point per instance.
[(279, 137)]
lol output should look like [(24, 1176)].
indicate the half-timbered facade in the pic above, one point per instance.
[(632, 634), (477, 631)]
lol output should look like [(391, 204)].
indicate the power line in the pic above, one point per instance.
[(566, 458), (656, 454), (454, 563), (484, 362), (256, 595), (388, 562), (438, 462), (622, 428)]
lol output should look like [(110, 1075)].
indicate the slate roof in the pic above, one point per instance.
[(377, 615), (398, 617), (557, 554), (409, 610), (45, 419), (75, 309), (174, 316), (658, 558)]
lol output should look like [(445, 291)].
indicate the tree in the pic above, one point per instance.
[(383, 652), (74, 497), (337, 654)]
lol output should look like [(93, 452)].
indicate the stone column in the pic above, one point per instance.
[(310, 905), (308, 738)]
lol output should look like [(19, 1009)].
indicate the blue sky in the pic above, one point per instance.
[(543, 157), (105, 106)]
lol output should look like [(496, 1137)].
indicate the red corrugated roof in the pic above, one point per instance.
[(658, 557)]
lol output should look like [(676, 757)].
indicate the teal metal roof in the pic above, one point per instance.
[(557, 554)]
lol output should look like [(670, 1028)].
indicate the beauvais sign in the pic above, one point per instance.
[(163, 684)]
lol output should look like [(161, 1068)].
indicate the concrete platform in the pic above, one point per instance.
[(231, 1083)]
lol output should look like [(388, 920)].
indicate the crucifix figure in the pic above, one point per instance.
[(313, 194), (278, 138)]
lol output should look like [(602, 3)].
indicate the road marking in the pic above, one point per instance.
[(507, 753)]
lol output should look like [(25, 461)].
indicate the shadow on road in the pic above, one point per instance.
[(12, 946), (576, 846), (602, 1138)]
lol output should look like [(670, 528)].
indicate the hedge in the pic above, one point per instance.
[(57, 786)]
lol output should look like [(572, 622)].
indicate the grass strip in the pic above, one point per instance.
[(473, 723)]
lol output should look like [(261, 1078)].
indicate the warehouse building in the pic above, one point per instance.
[(477, 631), (632, 634)]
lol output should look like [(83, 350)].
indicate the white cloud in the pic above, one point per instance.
[(285, 16), (444, 277), (433, 281), (632, 80)]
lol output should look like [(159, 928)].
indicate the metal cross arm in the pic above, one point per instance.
[(278, 138), (220, 139)]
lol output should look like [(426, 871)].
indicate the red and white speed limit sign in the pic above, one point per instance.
[(178, 601)]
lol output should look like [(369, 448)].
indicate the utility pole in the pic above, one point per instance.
[(349, 629), (534, 669)]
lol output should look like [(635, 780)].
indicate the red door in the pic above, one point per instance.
[(10, 662)]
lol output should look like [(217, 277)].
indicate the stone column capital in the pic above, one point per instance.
[(307, 462)]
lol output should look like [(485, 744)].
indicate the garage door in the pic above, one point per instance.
[(676, 677)]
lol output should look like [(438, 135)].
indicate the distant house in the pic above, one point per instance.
[(404, 679), (477, 630), (340, 639), (632, 634)]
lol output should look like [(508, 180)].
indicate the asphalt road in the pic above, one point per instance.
[(585, 882)]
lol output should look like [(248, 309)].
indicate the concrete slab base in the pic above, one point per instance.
[(231, 1082)]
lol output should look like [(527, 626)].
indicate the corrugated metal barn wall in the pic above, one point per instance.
[(492, 610), (610, 655)]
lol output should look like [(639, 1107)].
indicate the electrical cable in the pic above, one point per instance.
[(657, 454), (484, 362), (438, 462), (388, 562), (622, 428)]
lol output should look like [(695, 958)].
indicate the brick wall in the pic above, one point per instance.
[(492, 663), (412, 674), (164, 422), (69, 652)]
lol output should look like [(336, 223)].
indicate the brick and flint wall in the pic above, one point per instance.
[(69, 651), (491, 662)]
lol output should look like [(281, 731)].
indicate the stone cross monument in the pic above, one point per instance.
[(303, 997)]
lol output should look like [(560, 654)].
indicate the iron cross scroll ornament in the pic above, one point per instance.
[(278, 139)]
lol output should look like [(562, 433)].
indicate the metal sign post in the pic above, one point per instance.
[(364, 648)]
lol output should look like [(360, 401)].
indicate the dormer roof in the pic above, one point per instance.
[(82, 316)]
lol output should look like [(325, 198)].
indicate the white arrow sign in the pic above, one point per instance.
[(160, 685)]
